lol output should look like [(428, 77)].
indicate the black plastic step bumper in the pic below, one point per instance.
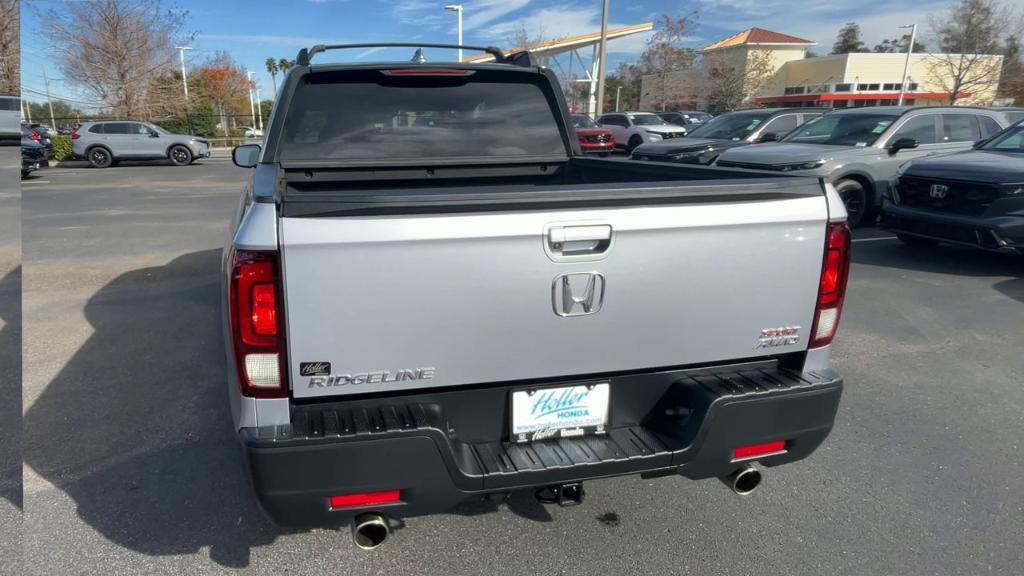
[(1003, 233), (440, 449)]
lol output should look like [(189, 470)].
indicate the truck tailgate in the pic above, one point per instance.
[(396, 302)]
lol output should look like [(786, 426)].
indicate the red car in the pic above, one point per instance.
[(593, 138)]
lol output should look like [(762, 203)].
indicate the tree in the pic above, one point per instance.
[(10, 47), (224, 85), (665, 54), (63, 113), (273, 68), (848, 40), (898, 45), (284, 64), (266, 106), (113, 49), (967, 38), (728, 86), (1011, 83)]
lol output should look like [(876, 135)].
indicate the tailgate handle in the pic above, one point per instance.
[(579, 240)]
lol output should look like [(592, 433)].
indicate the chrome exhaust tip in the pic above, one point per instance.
[(743, 481), (370, 531)]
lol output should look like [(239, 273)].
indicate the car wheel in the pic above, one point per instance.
[(917, 241), (180, 155), (855, 198), (25, 173), (633, 143), (100, 157)]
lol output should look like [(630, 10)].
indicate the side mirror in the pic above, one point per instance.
[(769, 137), (902, 144), (154, 134), (246, 155)]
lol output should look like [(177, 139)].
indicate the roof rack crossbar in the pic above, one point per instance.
[(306, 54)]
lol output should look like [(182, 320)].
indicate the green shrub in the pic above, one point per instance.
[(61, 147)]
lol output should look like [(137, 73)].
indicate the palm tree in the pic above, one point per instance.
[(273, 69), (284, 64)]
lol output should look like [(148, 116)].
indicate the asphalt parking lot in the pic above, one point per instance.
[(131, 466)]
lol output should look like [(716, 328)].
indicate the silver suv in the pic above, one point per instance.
[(860, 149), (106, 143)]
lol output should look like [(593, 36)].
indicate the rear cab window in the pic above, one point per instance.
[(375, 115)]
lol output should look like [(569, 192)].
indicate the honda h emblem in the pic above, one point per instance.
[(577, 294), (938, 191)]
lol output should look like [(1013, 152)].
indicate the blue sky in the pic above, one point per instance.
[(255, 29)]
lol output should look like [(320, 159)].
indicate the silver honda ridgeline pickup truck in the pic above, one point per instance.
[(432, 296)]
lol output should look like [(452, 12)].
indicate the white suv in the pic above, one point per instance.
[(632, 129)]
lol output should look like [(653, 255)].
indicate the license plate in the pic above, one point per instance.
[(559, 412)]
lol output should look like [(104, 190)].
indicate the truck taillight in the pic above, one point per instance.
[(832, 287), (255, 310)]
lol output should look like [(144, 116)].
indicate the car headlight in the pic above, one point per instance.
[(653, 133), (686, 155), (1012, 190), (903, 167), (800, 166)]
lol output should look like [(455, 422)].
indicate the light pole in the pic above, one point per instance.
[(618, 92), (457, 8), (906, 64), (252, 108), (181, 57), (602, 54)]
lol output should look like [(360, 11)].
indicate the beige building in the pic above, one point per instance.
[(774, 70)]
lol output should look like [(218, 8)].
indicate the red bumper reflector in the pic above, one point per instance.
[(759, 449), (364, 499)]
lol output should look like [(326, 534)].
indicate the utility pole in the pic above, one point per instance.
[(906, 63), (252, 108), (618, 93), (184, 84), (181, 57), (602, 54), (46, 83), (457, 8), (28, 111)]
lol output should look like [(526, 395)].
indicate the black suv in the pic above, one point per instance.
[(973, 198)]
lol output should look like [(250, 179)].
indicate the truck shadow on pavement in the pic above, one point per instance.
[(10, 388), (136, 426)]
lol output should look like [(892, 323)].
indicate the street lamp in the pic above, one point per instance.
[(906, 63), (181, 57), (457, 8)]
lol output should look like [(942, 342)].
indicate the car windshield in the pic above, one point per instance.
[(842, 129), (1012, 140), (647, 120), (582, 121), (730, 126)]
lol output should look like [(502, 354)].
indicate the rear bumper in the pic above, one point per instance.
[(444, 448), (1000, 233)]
